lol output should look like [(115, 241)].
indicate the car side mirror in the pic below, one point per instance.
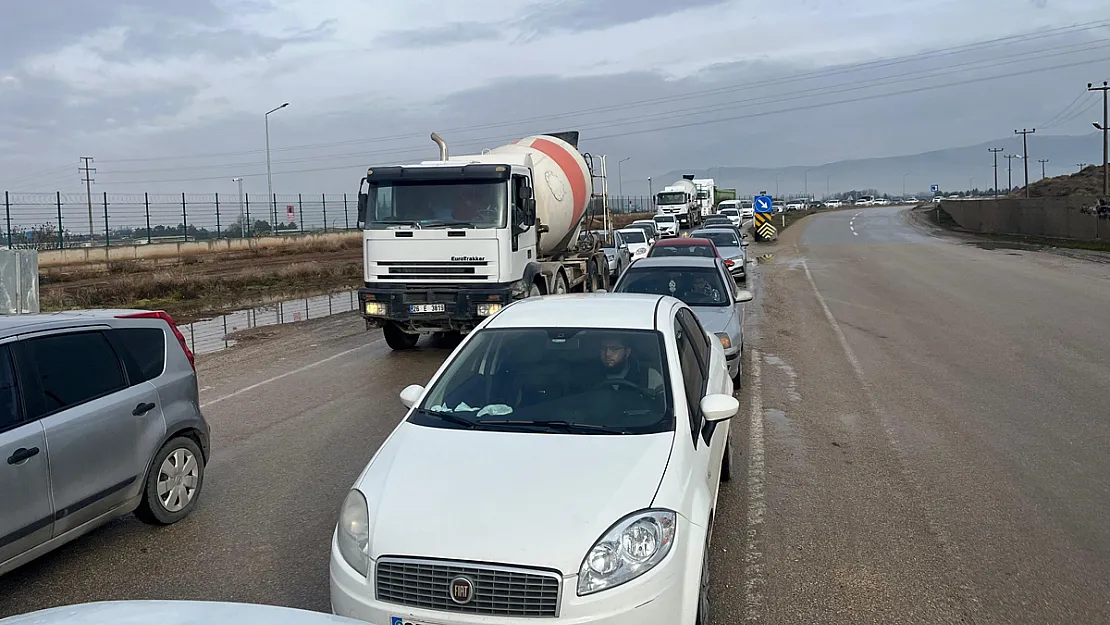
[(744, 244), (744, 295), (719, 407), (624, 246), (411, 394)]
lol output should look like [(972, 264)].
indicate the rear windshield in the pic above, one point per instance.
[(633, 236), (682, 250), (666, 218), (554, 380), (720, 238), (730, 211), (697, 286)]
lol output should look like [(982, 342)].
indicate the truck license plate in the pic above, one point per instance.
[(427, 308)]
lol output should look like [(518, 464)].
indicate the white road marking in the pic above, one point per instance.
[(855, 233), (289, 373), (754, 576)]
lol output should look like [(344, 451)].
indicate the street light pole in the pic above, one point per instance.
[(652, 194), (269, 174), (805, 183), (242, 219), (620, 177), (904, 184), (777, 183)]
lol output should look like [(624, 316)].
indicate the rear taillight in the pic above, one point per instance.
[(164, 316), (728, 263)]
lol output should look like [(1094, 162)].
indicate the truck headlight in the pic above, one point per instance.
[(632, 547), (353, 532), (725, 341), (376, 309), (485, 310)]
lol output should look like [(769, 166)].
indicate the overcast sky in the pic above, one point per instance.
[(170, 96)]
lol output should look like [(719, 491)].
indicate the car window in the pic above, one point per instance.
[(10, 414), (697, 335), (721, 238), (74, 368), (697, 286), (634, 236), (599, 381), (147, 346), (693, 380), (700, 251)]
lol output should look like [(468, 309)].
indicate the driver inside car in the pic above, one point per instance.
[(618, 362)]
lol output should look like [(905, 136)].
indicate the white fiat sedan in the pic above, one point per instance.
[(563, 464)]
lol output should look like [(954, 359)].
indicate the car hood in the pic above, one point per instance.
[(174, 613), (529, 499), (715, 318), (730, 252)]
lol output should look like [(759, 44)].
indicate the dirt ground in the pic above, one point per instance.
[(196, 286)]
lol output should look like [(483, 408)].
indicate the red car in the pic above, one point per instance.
[(686, 246)]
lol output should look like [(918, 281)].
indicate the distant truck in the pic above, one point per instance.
[(680, 199), (723, 195), (707, 194), (449, 242)]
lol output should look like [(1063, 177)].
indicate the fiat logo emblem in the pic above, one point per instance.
[(462, 590)]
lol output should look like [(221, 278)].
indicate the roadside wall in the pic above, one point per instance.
[(1075, 217), (83, 255)]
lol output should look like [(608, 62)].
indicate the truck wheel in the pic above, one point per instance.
[(560, 283), (593, 277), (397, 339), (534, 291)]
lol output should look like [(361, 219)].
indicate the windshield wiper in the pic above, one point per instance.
[(399, 222), (563, 425), (448, 224), (448, 417)]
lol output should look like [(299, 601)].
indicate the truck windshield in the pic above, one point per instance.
[(437, 204), (673, 197)]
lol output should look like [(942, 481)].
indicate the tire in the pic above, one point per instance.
[(593, 277), (178, 470), (398, 339), (702, 617), (726, 463), (534, 291), (560, 283)]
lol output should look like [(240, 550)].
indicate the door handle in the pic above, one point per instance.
[(142, 409), (22, 454)]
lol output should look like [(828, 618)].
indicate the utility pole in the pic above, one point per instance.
[(1081, 166), (269, 175), (1105, 145), (1009, 171), (620, 178), (87, 178), (1042, 161), (1025, 153), (242, 219), (995, 152), (904, 184)]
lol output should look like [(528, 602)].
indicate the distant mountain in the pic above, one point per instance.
[(954, 169)]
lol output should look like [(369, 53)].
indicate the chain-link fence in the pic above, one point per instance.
[(58, 220)]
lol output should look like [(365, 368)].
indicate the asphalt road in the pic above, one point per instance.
[(927, 428)]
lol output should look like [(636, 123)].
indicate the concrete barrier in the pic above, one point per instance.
[(1074, 217), (93, 255)]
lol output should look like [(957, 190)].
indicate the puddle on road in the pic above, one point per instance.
[(788, 371), (210, 335), (782, 429)]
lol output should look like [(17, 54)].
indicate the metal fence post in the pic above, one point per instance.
[(217, 216), (61, 237), (346, 224), (323, 204), (273, 226), (184, 220), (246, 230), (8, 215), (146, 205), (300, 209), (107, 234)]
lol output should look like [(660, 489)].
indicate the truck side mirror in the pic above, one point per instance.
[(525, 193), (530, 212), (363, 198)]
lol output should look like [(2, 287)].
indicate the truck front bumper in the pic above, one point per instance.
[(431, 308)]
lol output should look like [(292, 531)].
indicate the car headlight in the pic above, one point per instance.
[(485, 310), (632, 547), (725, 341), (353, 532), (378, 309)]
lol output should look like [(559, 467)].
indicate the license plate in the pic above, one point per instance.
[(427, 308), (400, 620)]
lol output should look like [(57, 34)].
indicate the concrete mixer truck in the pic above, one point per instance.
[(451, 241), (681, 200)]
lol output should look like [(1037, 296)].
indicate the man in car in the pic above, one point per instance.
[(619, 363), (701, 290)]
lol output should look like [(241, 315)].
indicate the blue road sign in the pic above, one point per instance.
[(934, 188), (763, 204)]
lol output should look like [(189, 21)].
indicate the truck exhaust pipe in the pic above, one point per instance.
[(442, 146)]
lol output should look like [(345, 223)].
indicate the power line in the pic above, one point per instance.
[(876, 64), (1104, 128), (1042, 161), (995, 152), (1025, 154), (680, 113)]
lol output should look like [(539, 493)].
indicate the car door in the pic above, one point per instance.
[(93, 419), (26, 513), (694, 385), (712, 436)]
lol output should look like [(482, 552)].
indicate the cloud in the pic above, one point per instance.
[(592, 15), (440, 36)]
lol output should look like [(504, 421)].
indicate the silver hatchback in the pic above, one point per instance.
[(99, 417)]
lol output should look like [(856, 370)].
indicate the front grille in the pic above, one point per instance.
[(435, 270), (498, 590)]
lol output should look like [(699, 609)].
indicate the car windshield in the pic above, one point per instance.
[(671, 197), (697, 286), (720, 238), (634, 236), (668, 219), (730, 211), (705, 251), (555, 380), (437, 204)]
